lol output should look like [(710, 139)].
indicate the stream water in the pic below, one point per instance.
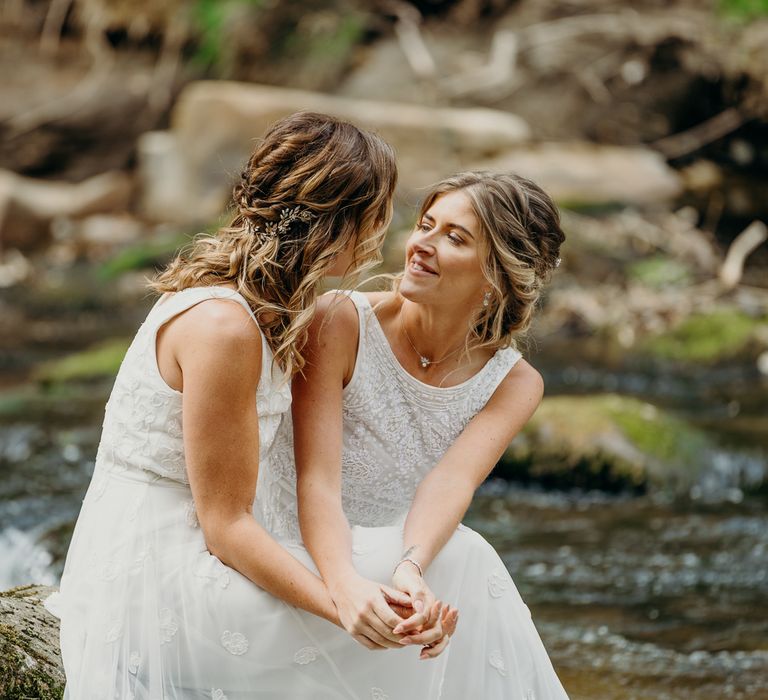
[(652, 597), (636, 597)]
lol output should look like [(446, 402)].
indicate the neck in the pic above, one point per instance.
[(434, 331)]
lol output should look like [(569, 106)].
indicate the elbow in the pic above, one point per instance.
[(215, 535), (218, 533)]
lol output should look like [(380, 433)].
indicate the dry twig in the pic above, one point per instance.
[(702, 134), (740, 249)]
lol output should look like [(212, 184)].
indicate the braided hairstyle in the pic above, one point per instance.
[(312, 187)]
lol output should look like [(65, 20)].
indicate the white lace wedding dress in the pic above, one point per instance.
[(148, 614), (396, 428)]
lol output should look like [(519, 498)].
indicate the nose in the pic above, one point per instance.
[(423, 242)]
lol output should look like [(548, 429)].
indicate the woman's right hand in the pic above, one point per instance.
[(365, 612)]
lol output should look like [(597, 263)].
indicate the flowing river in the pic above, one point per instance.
[(649, 597)]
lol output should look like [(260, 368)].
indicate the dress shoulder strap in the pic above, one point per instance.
[(493, 374), (364, 310), (172, 304)]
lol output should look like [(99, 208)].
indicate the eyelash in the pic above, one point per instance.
[(452, 237)]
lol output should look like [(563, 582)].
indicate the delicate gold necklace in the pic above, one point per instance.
[(424, 361)]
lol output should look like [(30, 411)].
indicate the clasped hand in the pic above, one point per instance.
[(390, 617)]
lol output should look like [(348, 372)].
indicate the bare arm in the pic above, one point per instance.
[(317, 416), (444, 495), (218, 349)]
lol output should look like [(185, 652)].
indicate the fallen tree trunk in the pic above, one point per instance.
[(30, 663)]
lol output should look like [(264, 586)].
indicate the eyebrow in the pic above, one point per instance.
[(450, 225)]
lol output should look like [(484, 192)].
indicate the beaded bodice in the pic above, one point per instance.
[(396, 429), (142, 428)]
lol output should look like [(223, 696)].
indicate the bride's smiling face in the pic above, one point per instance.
[(443, 255)]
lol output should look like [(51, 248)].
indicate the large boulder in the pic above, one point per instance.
[(581, 173), (215, 123), (30, 663), (619, 443)]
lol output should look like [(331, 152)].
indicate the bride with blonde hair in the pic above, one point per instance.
[(408, 399)]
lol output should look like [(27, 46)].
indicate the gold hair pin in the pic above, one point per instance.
[(276, 229)]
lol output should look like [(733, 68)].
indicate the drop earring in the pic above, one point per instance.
[(487, 299)]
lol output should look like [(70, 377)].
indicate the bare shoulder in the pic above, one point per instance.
[(335, 315), (218, 324), (523, 382)]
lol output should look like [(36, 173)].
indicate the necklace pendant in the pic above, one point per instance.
[(424, 361)]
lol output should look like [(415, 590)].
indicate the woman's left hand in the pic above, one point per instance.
[(425, 626), (449, 619)]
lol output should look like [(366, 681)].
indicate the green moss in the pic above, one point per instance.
[(19, 680), (607, 442), (654, 432), (66, 404), (19, 591), (147, 254), (705, 337), (329, 44), (102, 360), (743, 10), (211, 19), (659, 272)]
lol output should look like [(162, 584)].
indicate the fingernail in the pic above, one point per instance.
[(405, 642), (418, 605)]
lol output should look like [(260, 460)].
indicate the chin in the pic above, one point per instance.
[(412, 292)]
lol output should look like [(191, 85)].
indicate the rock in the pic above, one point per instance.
[(28, 206), (710, 337), (162, 177), (215, 124), (109, 230), (30, 663), (617, 443), (580, 173)]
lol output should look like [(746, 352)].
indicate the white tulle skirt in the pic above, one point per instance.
[(148, 614)]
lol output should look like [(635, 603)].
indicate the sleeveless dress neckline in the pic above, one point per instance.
[(398, 367)]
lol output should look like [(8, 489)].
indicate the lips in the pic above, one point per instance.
[(420, 266)]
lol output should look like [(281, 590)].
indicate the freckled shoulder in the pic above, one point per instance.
[(219, 323), (523, 377), (335, 316)]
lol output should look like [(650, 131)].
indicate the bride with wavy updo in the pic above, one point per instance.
[(172, 589)]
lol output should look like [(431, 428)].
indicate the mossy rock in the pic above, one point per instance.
[(607, 442), (101, 360), (59, 404), (30, 662), (707, 338)]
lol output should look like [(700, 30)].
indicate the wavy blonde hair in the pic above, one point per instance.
[(520, 247), (341, 178)]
